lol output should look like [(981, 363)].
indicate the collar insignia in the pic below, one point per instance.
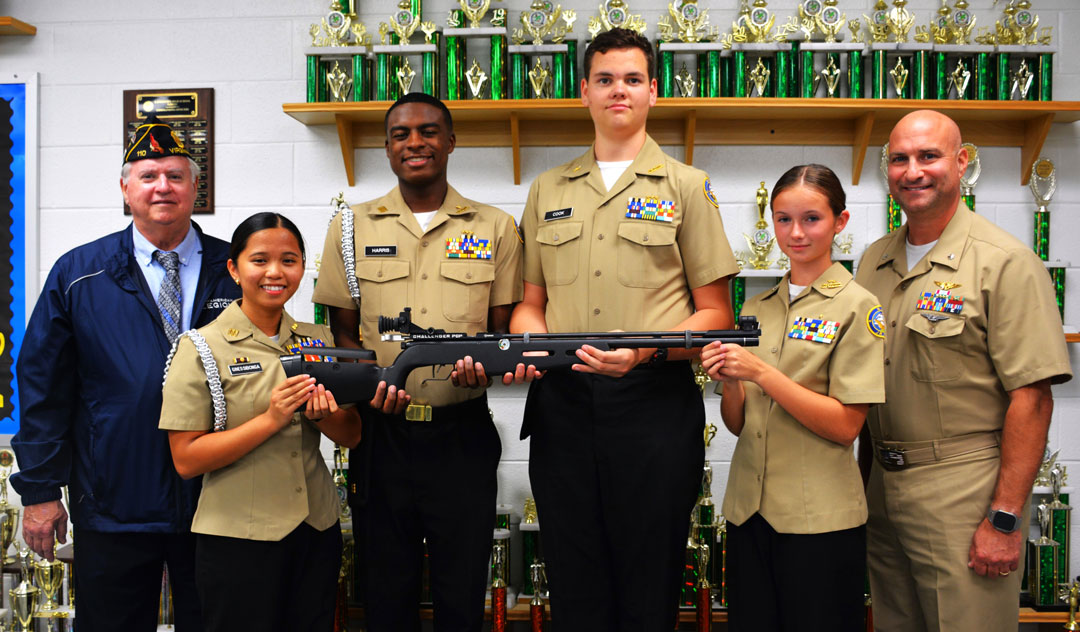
[(831, 284)]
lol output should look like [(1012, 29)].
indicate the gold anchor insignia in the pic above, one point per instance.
[(233, 332), (294, 326), (831, 284), (946, 285)]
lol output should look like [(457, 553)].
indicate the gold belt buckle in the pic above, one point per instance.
[(418, 412)]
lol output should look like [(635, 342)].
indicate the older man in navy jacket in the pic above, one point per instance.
[(89, 375)]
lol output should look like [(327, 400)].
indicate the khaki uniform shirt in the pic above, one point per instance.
[(975, 318), (283, 482), (604, 270), (824, 340), (399, 266)]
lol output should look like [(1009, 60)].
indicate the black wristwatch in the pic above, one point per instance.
[(1003, 521), (658, 356)]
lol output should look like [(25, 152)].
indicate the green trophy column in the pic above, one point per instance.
[(712, 72), (1002, 77), (721, 563), (498, 60), (519, 75), (738, 294), (558, 76), (1042, 234), (667, 73), (382, 77), (1043, 571), (1046, 77), (431, 68), (940, 79), (313, 76), (807, 72), (726, 78), (455, 68), (879, 88), (361, 74), (574, 90), (921, 84), (984, 76), (856, 87), (784, 73), (394, 90), (739, 78)]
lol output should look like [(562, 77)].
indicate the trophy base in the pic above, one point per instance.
[(59, 612)]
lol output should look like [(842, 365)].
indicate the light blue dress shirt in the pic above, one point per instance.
[(190, 253)]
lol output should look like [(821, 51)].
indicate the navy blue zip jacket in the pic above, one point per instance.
[(89, 373)]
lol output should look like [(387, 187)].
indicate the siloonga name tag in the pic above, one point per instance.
[(243, 368), (380, 251)]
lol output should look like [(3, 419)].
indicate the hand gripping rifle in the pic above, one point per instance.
[(354, 382)]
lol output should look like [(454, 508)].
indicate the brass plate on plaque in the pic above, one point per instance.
[(190, 112)]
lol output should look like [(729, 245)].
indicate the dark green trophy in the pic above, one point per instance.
[(468, 82), (556, 79), (394, 74), (1042, 557), (338, 63)]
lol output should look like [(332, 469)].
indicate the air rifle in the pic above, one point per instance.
[(354, 382)]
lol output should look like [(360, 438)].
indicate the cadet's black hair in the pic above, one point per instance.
[(819, 178), (257, 222), (420, 97), (620, 39)]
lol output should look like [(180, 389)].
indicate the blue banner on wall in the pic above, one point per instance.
[(12, 246)]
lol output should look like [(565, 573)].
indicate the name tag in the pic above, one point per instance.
[(562, 213), (245, 368), (380, 251)]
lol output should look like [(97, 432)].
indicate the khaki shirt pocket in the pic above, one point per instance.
[(383, 287), (560, 248), (937, 355), (647, 254), (466, 287)]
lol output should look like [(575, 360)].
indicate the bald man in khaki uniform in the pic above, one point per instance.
[(623, 237), (429, 474), (972, 347)]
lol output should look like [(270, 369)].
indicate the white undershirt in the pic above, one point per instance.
[(916, 253), (424, 219), (611, 171), (794, 290)]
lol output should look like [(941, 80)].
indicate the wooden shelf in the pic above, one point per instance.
[(858, 123), (11, 26)]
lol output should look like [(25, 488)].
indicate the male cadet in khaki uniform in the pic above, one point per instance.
[(971, 351), (623, 237), (457, 264)]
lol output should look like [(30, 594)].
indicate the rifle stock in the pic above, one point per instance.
[(352, 382)]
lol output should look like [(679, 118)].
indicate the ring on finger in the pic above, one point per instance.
[(1003, 573)]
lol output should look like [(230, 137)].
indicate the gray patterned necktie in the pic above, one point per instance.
[(169, 296)]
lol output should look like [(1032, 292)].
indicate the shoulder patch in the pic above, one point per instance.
[(875, 321), (709, 194), (520, 232)]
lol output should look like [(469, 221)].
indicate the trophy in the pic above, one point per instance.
[(704, 591), (685, 82), (1043, 184), (970, 175), (500, 567), (24, 597), (530, 545), (1017, 37), (774, 73), (686, 30), (338, 39), (826, 18), (393, 74), (894, 217), (10, 513), (538, 578), (540, 21), (539, 80), (1074, 597), (49, 576), (762, 242), (1059, 522), (615, 14), (1042, 556), (457, 37)]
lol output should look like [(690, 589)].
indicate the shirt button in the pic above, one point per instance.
[(903, 286), (379, 273), (294, 453), (645, 238), (600, 236), (759, 478), (468, 275), (423, 310), (596, 312), (597, 273), (933, 329), (300, 490), (892, 324), (774, 350), (886, 362), (759, 435), (424, 276), (424, 243), (555, 237)]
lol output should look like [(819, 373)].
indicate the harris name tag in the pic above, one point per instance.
[(380, 251)]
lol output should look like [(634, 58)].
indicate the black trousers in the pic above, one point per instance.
[(795, 582), (435, 480), (264, 586), (616, 466), (117, 579)]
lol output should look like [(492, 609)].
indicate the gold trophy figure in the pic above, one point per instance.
[(542, 20), (831, 74), (1043, 184), (337, 26), (24, 597), (962, 24), (476, 78), (899, 75), (879, 23), (405, 76), (900, 21), (844, 245), (856, 32), (759, 76), (474, 10), (9, 526), (49, 576), (1021, 81), (830, 21), (403, 22), (1074, 597), (685, 81), (691, 23), (339, 83), (540, 77), (960, 78), (615, 14), (761, 244), (973, 171)]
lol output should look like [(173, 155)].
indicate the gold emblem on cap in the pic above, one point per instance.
[(233, 332), (831, 284), (946, 285)]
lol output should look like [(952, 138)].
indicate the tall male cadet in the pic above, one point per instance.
[(971, 351), (622, 237), (429, 473), (90, 372)]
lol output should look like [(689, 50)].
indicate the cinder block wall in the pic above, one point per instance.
[(86, 54)]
